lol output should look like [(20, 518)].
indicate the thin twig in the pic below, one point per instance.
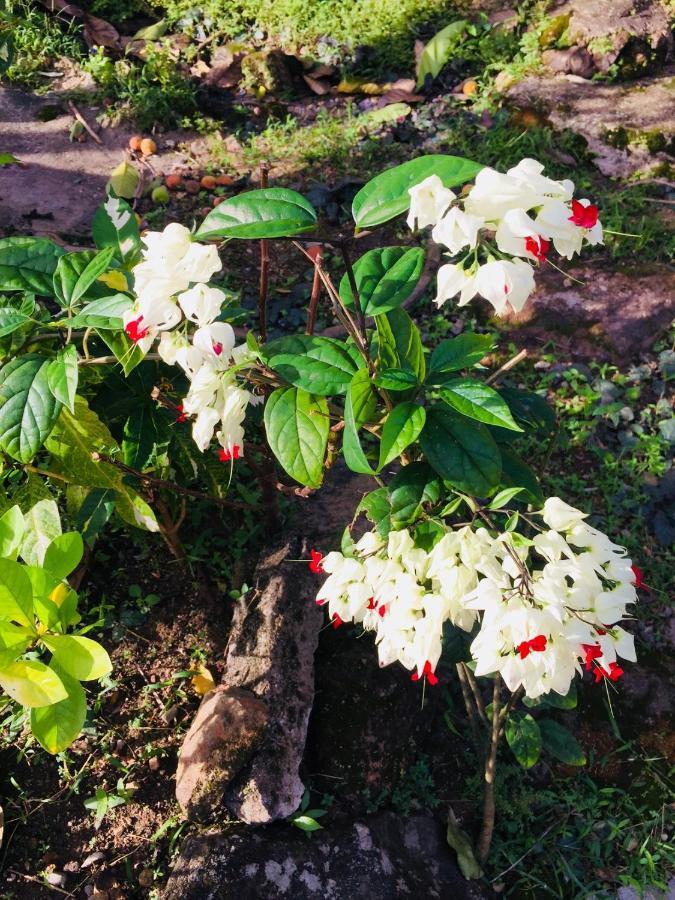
[(354, 288), (160, 482), (507, 365), (83, 122), (316, 289), (471, 712), (475, 690)]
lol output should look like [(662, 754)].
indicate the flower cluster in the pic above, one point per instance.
[(539, 610), (514, 217), (175, 303)]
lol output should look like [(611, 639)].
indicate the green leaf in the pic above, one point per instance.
[(306, 823), (77, 272), (58, 725), (504, 497), (62, 376), (458, 353), (12, 528), (96, 510), (28, 409), (14, 640), (360, 406), (477, 400), (462, 452), (412, 486), (43, 525), (399, 344), (124, 180), (32, 683), (28, 264), (297, 426), (439, 50), (460, 843), (72, 442), (396, 379), (377, 508), (63, 555), (265, 213), (402, 426), (561, 743), (79, 657), (127, 354), (530, 410), (524, 738), (115, 226), (6, 159), (386, 195), (516, 473), (141, 437), (555, 700), (105, 313), (16, 593), (318, 365), (385, 278), (6, 60), (11, 320)]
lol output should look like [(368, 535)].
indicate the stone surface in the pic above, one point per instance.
[(613, 314), (227, 728), (61, 183), (628, 127), (634, 35), (381, 858), (274, 634)]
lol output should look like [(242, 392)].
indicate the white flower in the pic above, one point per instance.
[(163, 248), (452, 279), (200, 263), (528, 172), (457, 229), (560, 516), (204, 426), (553, 222), (505, 281), (517, 235), (201, 304), (494, 194), (428, 201), (216, 342)]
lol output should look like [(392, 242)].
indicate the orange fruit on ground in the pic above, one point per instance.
[(173, 182), (148, 147), (224, 180), (192, 186), (208, 182), (217, 201), (470, 87), (135, 143)]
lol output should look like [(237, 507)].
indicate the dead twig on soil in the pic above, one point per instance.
[(83, 122)]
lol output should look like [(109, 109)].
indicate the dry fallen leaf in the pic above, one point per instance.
[(203, 681), (317, 85), (99, 33)]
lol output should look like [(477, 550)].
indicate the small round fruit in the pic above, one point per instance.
[(224, 180), (217, 201), (205, 210), (208, 182), (192, 186), (173, 182), (148, 147), (504, 81), (135, 143), (470, 87), (160, 195)]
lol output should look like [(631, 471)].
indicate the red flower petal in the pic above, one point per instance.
[(315, 564)]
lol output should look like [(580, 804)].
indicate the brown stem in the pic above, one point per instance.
[(264, 268), (316, 289), (509, 364), (487, 829), (267, 479), (471, 712), (160, 482), (169, 531), (475, 690), (354, 288)]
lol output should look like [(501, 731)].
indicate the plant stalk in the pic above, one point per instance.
[(488, 826), (264, 268)]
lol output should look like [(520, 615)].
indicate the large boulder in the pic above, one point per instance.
[(228, 727), (384, 857)]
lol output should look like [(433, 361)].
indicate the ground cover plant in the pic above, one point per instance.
[(171, 396)]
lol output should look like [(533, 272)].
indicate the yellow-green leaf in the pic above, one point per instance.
[(78, 656), (32, 683)]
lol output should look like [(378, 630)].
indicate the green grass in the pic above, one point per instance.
[(39, 40)]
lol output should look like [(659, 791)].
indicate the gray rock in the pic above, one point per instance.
[(572, 61), (380, 858), (612, 314), (633, 34), (629, 127), (226, 730)]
